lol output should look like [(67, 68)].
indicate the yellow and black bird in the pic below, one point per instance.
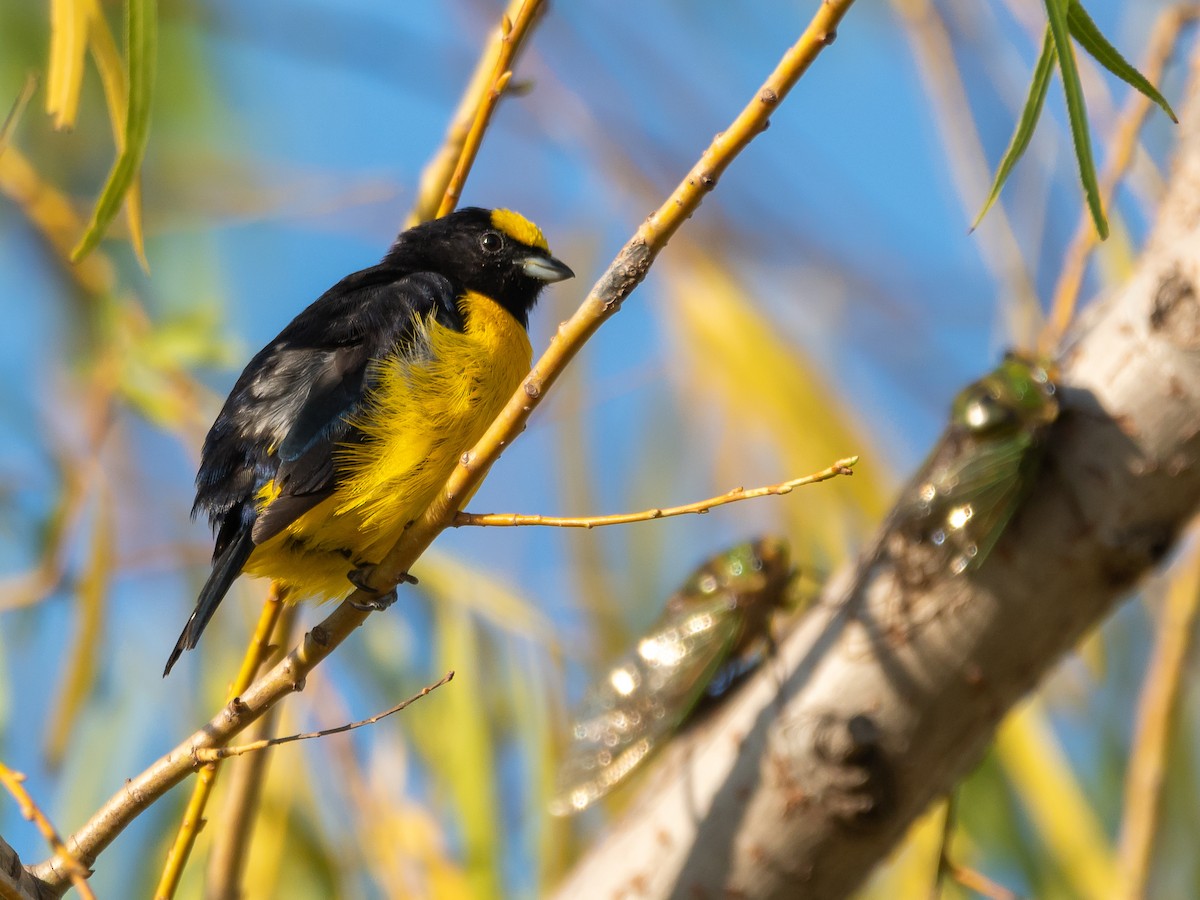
[(341, 430)]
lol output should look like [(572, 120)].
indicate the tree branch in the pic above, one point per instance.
[(887, 694), (14, 783), (622, 276), (699, 507)]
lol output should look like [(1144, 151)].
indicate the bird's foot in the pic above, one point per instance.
[(379, 600)]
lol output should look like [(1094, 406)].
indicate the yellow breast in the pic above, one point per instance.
[(431, 403)]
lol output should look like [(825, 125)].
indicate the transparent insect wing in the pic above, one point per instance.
[(980, 472), (643, 699), (651, 691)]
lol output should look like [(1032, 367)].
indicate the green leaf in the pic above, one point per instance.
[(142, 42), (1056, 11), (1025, 125), (1084, 30)]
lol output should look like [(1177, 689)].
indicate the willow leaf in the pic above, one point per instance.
[(142, 41), (1025, 125), (1056, 11), (1084, 30)]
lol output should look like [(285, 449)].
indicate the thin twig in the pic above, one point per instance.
[(943, 858), (442, 179), (969, 878), (841, 467), (512, 33), (1152, 733), (1163, 41), (18, 108), (76, 871), (623, 275), (218, 753), (193, 817), (976, 881)]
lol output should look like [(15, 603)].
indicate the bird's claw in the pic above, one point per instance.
[(379, 600)]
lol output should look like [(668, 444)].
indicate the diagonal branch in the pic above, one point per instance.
[(622, 276)]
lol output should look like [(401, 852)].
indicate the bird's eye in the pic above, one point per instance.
[(491, 242)]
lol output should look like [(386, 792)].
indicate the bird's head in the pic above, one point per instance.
[(495, 252)]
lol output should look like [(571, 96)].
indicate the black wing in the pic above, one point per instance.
[(291, 407)]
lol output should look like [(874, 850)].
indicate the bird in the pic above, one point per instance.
[(342, 430)]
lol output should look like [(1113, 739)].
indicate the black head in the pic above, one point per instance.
[(497, 252)]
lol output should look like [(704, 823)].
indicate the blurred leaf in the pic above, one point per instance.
[(1084, 30), (1052, 798), (52, 214), (155, 359), (68, 46), (17, 110), (92, 595), (736, 366), (1025, 125), (448, 580), (141, 46), (1056, 11), (289, 856), (910, 867), (7, 680), (411, 831), (457, 745), (116, 90)]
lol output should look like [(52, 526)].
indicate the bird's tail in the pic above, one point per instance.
[(225, 569)]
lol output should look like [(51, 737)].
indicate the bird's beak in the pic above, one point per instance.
[(545, 267)]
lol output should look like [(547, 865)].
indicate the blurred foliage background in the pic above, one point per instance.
[(826, 301)]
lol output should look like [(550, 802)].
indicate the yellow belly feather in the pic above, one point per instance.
[(421, 417)]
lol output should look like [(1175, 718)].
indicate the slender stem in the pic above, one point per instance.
[(841, 467), (512, 33), (76, 871), (479, 98), (623, 275), (219, 753)]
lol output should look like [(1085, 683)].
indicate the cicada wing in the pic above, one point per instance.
[(643, 699), (968, 498)]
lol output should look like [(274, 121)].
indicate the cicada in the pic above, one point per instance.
[(960, 501), (713, 630)]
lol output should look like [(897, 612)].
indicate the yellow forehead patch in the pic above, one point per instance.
[(518, 227)]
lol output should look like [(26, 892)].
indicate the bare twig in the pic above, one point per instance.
[(512, 32), (841, 467), (443, 178), (969, 878), (623, 275), (218, 753), (76, 871), (18, 108)]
